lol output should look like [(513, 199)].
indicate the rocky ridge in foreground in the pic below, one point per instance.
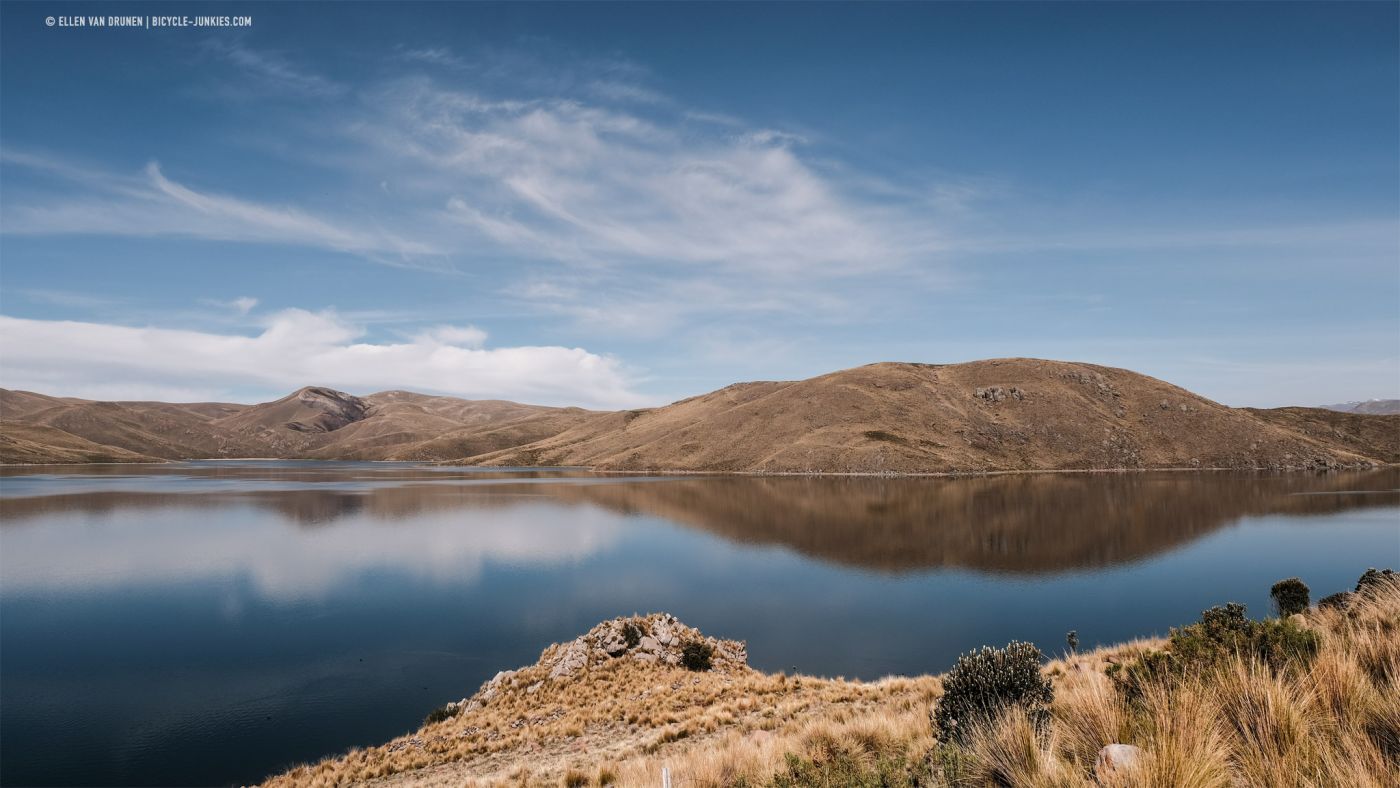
[(656, 639)]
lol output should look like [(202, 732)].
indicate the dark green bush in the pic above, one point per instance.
[(443, 712), (632, 634), (1290, 596), (1072, 640), (1372, 578), (986, 682), (1221, 633), (696, 655)]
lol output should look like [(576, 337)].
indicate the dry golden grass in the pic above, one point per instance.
[(1334, 722)]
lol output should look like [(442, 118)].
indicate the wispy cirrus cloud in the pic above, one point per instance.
[(151, 204), (436, 56), (265, 72), (294, 348), (575, 182)]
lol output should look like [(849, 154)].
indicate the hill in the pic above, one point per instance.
[(1375, 407), (1375, 435), (33, 443), (996, 415), (889, 418), (310, 423)]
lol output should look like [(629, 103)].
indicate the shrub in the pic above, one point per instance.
[(1222, 632), (1338, 600), (444, 712), (1072, 640), (986, 682), (696, 655), (1290, 596), (1372, 578), (632, 634)]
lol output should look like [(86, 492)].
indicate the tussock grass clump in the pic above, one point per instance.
[(1373, 579)]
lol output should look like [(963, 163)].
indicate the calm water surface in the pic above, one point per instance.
[(210, 623)]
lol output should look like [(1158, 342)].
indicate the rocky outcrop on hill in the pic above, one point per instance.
[(656, 639)]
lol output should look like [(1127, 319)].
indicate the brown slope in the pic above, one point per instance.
[(39, 444), (468, 441), (995, 415), (154, 429), (16, 404), (1374, 435), (402, 425), (311, 423)]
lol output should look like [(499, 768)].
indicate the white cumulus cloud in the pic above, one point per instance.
[(295, 348)]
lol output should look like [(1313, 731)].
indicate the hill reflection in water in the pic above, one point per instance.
[(1024, 523)]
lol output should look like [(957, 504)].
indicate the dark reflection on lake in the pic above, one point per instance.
[(213, 622)]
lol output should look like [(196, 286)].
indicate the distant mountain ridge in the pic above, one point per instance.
[(311, 423), (888, 418), (1375, 407)]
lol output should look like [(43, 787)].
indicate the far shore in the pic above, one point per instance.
[(800, 474)]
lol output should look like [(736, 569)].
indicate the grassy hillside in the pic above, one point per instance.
[(1012, 414), (996, 415)]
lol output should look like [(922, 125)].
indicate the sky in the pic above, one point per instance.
[(621, 205)]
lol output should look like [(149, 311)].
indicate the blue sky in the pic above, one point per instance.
[(614, 205)]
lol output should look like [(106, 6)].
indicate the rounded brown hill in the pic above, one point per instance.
[(995, 415)]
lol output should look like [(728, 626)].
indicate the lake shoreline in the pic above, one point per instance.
[(760, 474)]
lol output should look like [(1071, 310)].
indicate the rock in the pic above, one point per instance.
[(664, 632), (1116, 760), (663, 640), (997, 393), (614, 642), (574, 659), (491, 688)]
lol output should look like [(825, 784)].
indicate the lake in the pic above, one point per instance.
[(213, 622)]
